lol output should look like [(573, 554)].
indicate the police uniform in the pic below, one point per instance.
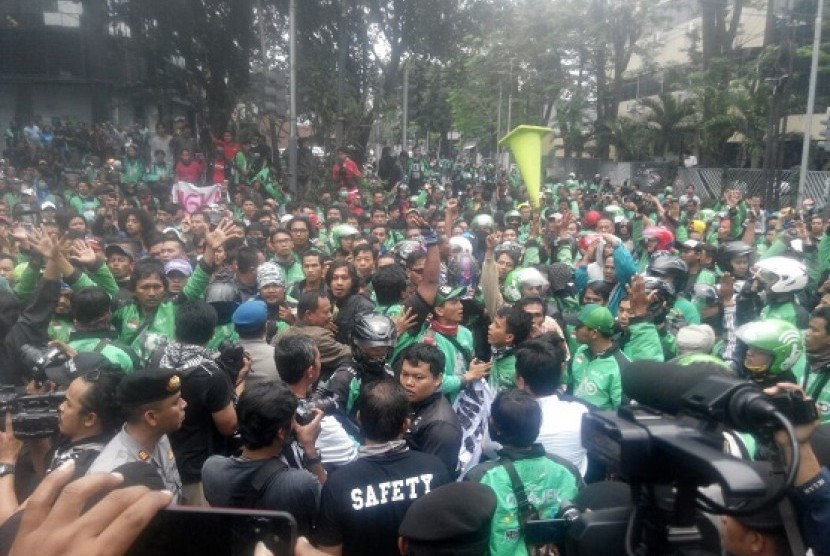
[(143, 387)]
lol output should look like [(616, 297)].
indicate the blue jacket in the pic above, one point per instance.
[(624, 268)]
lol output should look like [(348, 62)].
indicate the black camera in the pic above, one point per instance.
[(37, 359), (34, 415), (305, 408)]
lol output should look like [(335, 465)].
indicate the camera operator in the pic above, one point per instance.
[(258, 478), (298, 360), (207, 389), (811, 489)]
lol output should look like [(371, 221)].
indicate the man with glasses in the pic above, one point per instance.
[(300, 231), (281, 245)]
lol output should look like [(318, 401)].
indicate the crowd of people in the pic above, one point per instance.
[(402, 360)]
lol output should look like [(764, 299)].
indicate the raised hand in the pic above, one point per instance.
[(638, 297), (404, 321), (82, 253), (452, 209), (726, 291)]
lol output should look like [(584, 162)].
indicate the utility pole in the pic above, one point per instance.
[(339, 132), (811, 101), (292, 62), (498, 123), (405, 106)]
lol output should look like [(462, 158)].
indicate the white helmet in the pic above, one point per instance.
[(781, 274), (460, 244), (530, 277)]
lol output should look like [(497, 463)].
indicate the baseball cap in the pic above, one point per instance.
[(251, 315), (690, 244), (79, 365), (27, 191), (445, 293), (178, 265), (48, 205), (119, 249), (597, 317)]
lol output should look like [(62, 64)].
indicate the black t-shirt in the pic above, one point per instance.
[(227, 483), (206, 389), (363, 502), (434, 429)]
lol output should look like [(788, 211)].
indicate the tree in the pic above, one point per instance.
[(672, 118), (204, 44), (631, 139)]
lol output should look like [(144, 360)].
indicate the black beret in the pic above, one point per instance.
[(456, 514), (148, 386)]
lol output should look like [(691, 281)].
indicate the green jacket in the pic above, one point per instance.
[(822, 396), (458, 352), (104, 342), (547, 481), (503, 373), (60, 329), (643, 342), (221, 333), (390, 311), (596, 379), (293, 272), (146, 333)]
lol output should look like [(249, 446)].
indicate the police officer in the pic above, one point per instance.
[(153, 406)]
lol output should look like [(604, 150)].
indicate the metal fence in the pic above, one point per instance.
[(710, 182)]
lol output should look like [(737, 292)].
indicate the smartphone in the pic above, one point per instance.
[(185, 530)]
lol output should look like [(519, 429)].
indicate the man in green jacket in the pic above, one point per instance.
[(509, 328), (595, 367), (546, 479), (93, 332), (148, 320)]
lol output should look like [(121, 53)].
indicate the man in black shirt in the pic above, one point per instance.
[(206, 388), (363, 503), (434, 426), (266, 418)]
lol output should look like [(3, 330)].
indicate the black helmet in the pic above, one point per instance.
[(659, 308), (225, 298), (370, 331), (731, 250), (665, 264)]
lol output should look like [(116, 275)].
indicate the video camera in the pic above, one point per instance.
[(669, 444), (36, 360), (322, 400), (33, 415)]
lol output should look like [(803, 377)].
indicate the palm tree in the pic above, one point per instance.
[(631, 139), (671, 118)]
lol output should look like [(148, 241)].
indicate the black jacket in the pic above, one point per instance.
[(435, 429), (30, 328), (348, 312)]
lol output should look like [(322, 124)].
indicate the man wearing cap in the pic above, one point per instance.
[(121, 261), (454, 340), (153, 407), (249, 321), (595, 367), (690, 252), (177, 271)]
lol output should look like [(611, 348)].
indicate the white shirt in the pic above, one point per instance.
[(561, 431)]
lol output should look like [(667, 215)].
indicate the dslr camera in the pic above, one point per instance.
[(305, 407)]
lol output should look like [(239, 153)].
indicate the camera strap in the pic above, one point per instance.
[(526, 510), (263, 477), (785, 507)]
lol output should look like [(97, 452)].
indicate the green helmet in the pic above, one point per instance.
[(513, 286), (779, 338), (340, 231), (512, 215)]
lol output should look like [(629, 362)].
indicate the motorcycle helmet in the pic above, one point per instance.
[(781, 274), (370, 331), (781, 339)]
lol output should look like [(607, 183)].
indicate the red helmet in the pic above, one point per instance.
[(664, 237), (591, 219)]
